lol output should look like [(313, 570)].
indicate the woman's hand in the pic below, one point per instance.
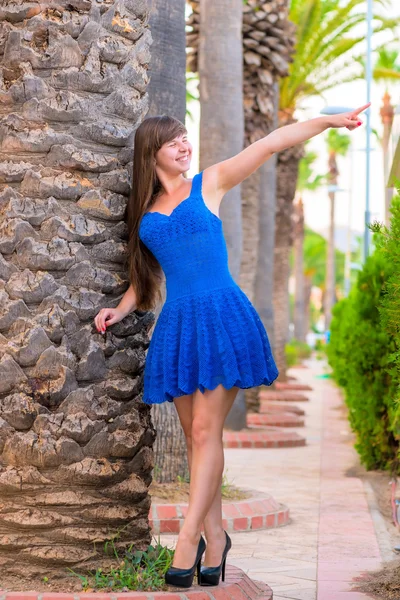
[(350, 120), (111, 315)]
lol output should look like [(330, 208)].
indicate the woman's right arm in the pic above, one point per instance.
[(109, 316)]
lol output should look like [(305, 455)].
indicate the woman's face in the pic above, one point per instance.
[(175, 156)]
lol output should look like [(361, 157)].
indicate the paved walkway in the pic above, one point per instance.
[(331, 537)]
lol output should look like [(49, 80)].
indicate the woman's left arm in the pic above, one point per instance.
[(233, 171)]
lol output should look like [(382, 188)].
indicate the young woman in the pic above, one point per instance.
[(208, 340)]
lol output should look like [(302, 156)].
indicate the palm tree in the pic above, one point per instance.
[(338, 145), (387, 69), (268, 40), (325, 57), (306, 181), (167, 95), (222, 125), (76, 439), (261, 43)]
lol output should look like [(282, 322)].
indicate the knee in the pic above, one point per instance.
[(201, 432)]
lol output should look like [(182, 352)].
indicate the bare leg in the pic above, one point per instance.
[(209, 411), (213, 521)]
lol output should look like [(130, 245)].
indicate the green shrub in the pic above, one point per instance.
[(291, 355), (364, 352), (296, 351)]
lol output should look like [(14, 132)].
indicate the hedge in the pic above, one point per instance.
[(364, 350)]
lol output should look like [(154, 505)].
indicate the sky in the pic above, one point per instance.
[(316, 204)]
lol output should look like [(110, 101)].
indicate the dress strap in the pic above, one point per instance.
[(197, 184)]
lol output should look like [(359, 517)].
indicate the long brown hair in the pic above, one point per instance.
[(145, 272)]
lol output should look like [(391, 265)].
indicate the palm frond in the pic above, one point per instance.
[(385, 74), (324, 43), (338, 142)]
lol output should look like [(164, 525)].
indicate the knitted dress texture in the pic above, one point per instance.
[(208, 332)]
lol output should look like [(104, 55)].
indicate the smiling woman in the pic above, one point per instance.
[(209, 340)]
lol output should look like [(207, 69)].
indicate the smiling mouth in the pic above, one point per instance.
[(183, 158)]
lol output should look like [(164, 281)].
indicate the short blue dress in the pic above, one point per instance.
[(208, 332)]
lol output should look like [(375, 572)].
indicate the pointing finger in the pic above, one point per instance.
[(358, 110)]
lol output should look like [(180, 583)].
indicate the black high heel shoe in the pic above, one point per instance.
[(184, 577), (211, 575)]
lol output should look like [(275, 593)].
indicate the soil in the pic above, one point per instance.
[(384, 584), (17, 583), (178, 493)]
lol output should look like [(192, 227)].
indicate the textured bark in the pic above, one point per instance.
[(298, 246), (288, 165), (170, 456), (167, 89), (75, 442), (167, 95)]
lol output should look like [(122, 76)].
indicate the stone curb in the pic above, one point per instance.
[(275, 419), (292, 386), (257, 512), (283, 396), (237, 586), (262, 438)]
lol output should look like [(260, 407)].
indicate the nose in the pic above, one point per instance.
[(183, 147)]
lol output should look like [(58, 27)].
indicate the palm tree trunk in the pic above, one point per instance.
[(263, 295), (307, 301), (329, 299), (222, 124), (76, 439), (167, 95), (267, 46), (299, 321), (251, 190), (387, 115), (167, 87), (288, 166), (330, 264), (221, 121)]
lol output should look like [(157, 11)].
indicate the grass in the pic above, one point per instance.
[(136, 570)]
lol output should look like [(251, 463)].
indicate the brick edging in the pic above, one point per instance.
[(260, 511), (277, 407), (268, 437), (237, 586), (282, 396), (274, 419), (287, 385)]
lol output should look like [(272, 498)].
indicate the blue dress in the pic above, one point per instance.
[(208, 332)]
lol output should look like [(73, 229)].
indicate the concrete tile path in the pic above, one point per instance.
[(331, 537)]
